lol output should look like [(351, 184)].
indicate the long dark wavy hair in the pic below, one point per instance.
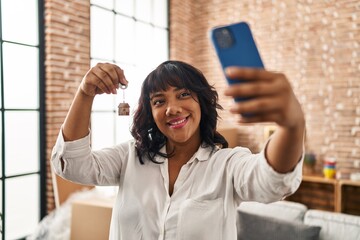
[(149, 139)]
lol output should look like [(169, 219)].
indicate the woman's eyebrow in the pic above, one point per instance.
[(157, 94), (160, 94), (178, 89)]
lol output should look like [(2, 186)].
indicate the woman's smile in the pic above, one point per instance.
[(178, 122)]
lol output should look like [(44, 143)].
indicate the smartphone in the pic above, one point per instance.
[(235, 46)]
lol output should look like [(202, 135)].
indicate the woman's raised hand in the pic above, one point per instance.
[(103, 78), (271, 97)]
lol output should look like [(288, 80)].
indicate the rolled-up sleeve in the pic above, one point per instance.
[(75, 161), (256, 180), (64, 153), (284, 183)]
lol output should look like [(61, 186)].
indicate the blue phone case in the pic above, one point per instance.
[(236, 48)]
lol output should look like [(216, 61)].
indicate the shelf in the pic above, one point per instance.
[(319, 179), (349, 182), (317, 192)]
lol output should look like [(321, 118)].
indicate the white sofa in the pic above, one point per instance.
[(305, 223)]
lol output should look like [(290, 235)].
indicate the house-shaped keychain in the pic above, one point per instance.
[(124, 109)]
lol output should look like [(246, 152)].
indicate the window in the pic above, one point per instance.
[(134, 35), (21, 123)]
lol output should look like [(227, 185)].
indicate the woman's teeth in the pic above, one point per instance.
[(178, 122)]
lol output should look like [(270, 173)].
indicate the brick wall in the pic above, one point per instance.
[(67, 41), (315, 43)]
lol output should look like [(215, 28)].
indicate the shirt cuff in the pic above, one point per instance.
[(290, 180), (68, 149)]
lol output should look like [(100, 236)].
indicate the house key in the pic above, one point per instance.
[(123, 108)]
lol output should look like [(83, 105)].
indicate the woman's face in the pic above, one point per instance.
[(177, 114)]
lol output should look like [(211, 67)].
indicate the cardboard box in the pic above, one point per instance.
[(230, 134), (90, 219)]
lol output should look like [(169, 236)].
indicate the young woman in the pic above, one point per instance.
[(177, 179)]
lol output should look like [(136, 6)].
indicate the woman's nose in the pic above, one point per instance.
[(173, 108)]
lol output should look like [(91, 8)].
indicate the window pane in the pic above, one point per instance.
[(102, 33), (161, 45), (125, 39), (1, 205), (125, 7), (22, 206), (2, 81), (144, 44), (22, 29), (109, 4), (160, 13), (143, 10), (123, 124), (102, 127), (21, 87), (104, 102), (1, 148), (22, 142)]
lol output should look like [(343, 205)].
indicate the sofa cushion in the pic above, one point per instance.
[(254, 227), (285, 210), (334, 226)]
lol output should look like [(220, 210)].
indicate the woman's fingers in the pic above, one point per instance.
[(257, 106), (115, 73), (258, 82), (248, 73), (103, 78), (251, 89), (270, 97), (263, 117), (121, 76)]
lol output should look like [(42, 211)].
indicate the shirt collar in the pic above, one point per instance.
[(202, 154)]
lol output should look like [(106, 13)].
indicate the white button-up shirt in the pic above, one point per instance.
[(207, 191)]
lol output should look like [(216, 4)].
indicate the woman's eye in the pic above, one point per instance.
[(185, 94), (157, 102)]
